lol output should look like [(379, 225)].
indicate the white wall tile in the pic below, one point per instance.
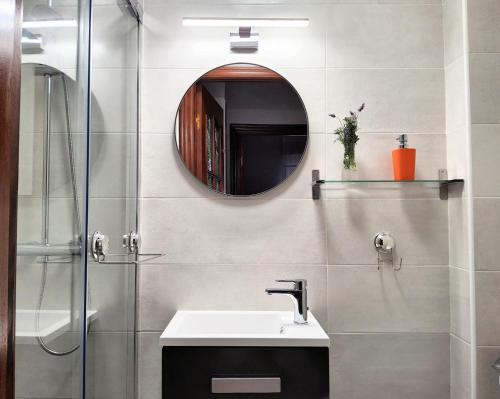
[(418, 226), (397, 100), (460, 303), (384, 36), (169, 44), (379, 366), (452, 30), (234, 231), (364, 299), (486, 233), (485, 88), (488, 308), (460, 370), (485, 143), (455, 95), (166, 289)]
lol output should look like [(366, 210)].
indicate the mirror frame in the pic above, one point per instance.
[(247, 68)]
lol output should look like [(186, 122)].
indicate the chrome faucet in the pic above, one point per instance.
[(298, 294)]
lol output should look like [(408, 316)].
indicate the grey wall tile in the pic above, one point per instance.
[(460, 370), (114, 37), (487, 235), (460, 303), (112, 294), (485, 143), (487, 377), (165, 176), (410, 366), (364, 299), (241, 2), (149, 365), (110, 365), (57, 292), (205, 230), (457, 227), (484, 31), (374, 156), (488, 308), (419, 227), (166, 289), (163, 90), (384, 36), (397, 100), (485, 88), (114, 100), (113, 217), (40, 375)]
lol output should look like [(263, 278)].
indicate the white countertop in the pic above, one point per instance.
[(242, 328)]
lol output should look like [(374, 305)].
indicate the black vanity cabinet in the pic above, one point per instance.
[(245, 372)]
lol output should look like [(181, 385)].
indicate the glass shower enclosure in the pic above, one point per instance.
[(77, 206)]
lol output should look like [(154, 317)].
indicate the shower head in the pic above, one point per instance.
[(44, 16)]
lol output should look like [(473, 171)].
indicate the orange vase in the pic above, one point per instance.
[(403, 162)]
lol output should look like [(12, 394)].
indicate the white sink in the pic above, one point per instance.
[(53, 323), (242, 328)]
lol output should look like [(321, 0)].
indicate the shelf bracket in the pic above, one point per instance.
[(316, 185), (443, 187)]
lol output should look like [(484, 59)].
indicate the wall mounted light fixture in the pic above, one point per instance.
[(244, 39), (50, 23)]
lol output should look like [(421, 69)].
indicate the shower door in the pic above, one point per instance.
[(77, 175), (112, 202)]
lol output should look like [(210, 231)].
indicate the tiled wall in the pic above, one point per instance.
[(390, 330), (484, 53)]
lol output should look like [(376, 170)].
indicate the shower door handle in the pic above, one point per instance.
[(99, 246)]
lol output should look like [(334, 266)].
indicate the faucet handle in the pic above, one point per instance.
[(299, 284)]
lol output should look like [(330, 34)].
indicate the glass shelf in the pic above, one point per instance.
[(438, 182), (441, 184)]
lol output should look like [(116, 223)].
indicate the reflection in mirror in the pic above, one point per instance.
[(241, 129)]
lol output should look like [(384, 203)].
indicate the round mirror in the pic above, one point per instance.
[(241, 129)]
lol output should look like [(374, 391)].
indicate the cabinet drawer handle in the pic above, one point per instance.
[(246, 385)]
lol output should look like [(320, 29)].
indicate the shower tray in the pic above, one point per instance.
[(53, 323)]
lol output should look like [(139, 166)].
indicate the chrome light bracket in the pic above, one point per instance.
[(244, 40)]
